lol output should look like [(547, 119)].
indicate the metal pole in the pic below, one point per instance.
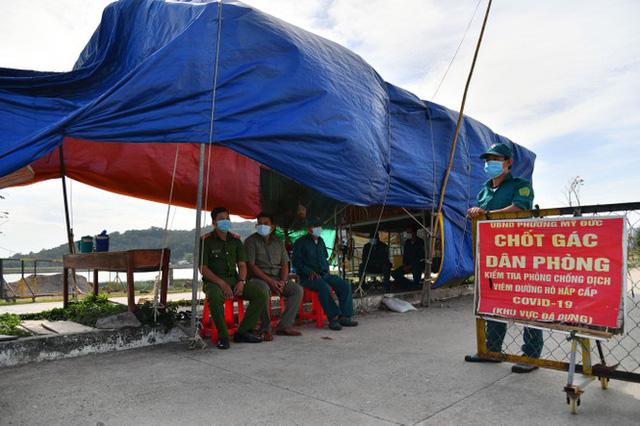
[(66, 203), (196, 246), (67, 217), (428, 256)]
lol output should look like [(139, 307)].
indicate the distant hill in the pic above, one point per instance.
[(180, 242)]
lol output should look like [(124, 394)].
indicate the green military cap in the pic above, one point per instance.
[(498, 149)]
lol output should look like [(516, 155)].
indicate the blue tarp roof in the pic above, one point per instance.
[(300, 104)]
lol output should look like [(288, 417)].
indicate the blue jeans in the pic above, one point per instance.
[(532, 347), (323, 286)]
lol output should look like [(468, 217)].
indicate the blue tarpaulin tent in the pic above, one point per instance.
[(185, 72)]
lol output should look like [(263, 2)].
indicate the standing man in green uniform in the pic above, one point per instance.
[(310, 260), (500, 194), (268, 264), (224, 271)]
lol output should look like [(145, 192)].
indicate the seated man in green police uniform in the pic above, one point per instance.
[(224, 271), (310, 260), (504, 193)]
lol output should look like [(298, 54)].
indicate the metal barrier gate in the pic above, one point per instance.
[(618, 355)]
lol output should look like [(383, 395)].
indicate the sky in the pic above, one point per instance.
[(560, 78)]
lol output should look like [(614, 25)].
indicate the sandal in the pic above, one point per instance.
[(285, 331), (266, 335)]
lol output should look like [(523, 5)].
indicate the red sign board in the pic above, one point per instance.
[(559, 270)]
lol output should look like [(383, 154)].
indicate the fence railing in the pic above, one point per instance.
[(29, 278)]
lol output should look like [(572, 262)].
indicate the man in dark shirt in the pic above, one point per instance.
[(375, 255), (504, 193), (310, 260), (413, 261)]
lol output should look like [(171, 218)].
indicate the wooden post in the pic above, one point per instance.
[(131, 297), (166, 254)]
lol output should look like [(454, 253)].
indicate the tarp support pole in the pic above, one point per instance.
[(68, 221), (425, 296), (197, 246), (461, 114), (66, 203)]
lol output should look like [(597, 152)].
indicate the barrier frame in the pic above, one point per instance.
[(580, 338)]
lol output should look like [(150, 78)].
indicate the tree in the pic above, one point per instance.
[(572, 191)]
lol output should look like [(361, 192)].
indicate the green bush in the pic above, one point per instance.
[(9, 326), (166, 317)]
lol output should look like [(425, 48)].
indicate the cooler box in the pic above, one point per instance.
[(85, 245), (102, 243)]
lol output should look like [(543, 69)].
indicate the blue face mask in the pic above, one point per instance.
[(223, 225), (373, 242), (263, 230), (493, 168), (317, 231)]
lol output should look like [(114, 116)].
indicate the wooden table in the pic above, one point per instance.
[(129, 261)]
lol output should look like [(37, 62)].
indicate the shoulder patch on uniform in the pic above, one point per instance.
[(525, 192), (237, 237)]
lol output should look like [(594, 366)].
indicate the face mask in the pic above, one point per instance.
[(263, 230), (493, 168), (317, 231), (373, 242), (406, 235), (224, 225)]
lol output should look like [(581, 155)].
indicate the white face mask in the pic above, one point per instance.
[(406, 235), (317, 231), (263, 230)]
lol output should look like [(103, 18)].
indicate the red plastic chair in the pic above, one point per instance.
[(316, 313), (274, 320), (208, 326)]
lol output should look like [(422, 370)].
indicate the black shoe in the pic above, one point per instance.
[(347, 322), (523, 368), (476, 358), (246, 337), (335, 325), (223, 343)]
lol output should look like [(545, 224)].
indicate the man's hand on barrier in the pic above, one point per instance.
[(474, 212)]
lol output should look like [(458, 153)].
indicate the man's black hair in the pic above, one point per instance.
[(216, 211), (265, 214), (374, 235)]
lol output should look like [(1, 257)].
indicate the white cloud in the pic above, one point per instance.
[(559, 77)]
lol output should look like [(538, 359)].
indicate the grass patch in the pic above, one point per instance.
[(9, 325)]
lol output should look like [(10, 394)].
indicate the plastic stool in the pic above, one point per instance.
[(208, 326), (274, 321), (316, 313)]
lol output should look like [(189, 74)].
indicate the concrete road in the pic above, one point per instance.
[(393, 369)]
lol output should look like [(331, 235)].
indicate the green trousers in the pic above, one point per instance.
[(256, 296)]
